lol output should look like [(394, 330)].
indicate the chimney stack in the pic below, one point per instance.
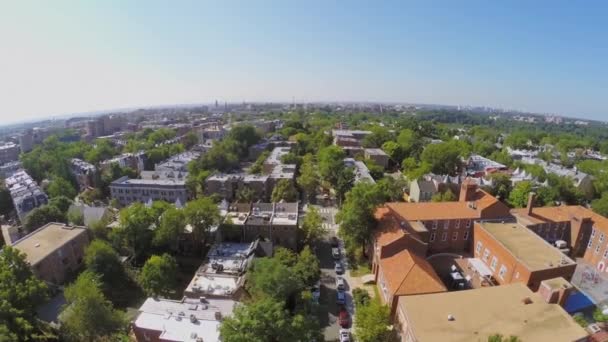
[(467, 191), (531, 198)]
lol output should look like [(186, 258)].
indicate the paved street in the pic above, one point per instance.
[(329, 308)]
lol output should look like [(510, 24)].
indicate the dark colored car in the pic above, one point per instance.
[(334, 242), (344, 318)]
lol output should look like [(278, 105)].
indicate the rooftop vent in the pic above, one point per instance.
[(527, 301), (451, 317)]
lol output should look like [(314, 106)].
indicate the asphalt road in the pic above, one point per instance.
[(329, 309)]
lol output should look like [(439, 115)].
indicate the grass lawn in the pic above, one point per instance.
[(361, 269)]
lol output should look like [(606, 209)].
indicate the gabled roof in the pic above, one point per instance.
[(408, 274)]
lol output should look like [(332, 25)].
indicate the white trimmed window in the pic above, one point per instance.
[(592, 233), (478, 247), (435, 224), (433, 234), (455, 236), (493, 264), (457, 224), (486, 255), (590, 244), (602, 237), (597, 249), (466, 235), (606, 253), (446, 224), (444, 236), (502, 272), (469, 222)]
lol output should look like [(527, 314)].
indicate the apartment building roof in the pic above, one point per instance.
[(285, 214), (185, 320), (526, 246), (408, 274), (149, 182), (559, 214), (360, 170), (45, 240), (375, 152), (473, 315), (429, 211)]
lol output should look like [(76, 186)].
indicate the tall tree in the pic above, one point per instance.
[(201, 214), (171, 226), (373, 321), (600, 205), (312, 226), (331, 163), (89, 316), (20, 293), (267, 320), (443, 158), (270, 277), (102, 259), (345, 181), (40, 216), (135, 229), (61, 187), (519, 195), (284, 190), (356, 217), (245, 195), (307, 268), (308, 180), (157, 277)]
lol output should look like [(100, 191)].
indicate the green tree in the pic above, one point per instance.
[(135, 228), (257, 167), (345, 181), (61, 187), (172, 224), (284, 190), (375, 170), (6, 201), (410, 143), (20, 294), (443, 158), (600, 205), (331, 163), (157, 277), (101, 259), (502, 186), (62, 203), (379, 135), (270, 277), (201, 214), (391, 188), (89, 316), (189, 140), (75, 217), (307, 268), (518, 197), (308, 180), (245, 194), (40, 216), (373, 322), (312, 226), (393, 150), (268, 320), (500, 338), (356, 217), (446, 196)]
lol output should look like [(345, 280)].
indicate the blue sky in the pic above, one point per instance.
[(60, 57)]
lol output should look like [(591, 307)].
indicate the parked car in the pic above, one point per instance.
[(335, 242), (335, 252), (344, 318), (339, 268), (344, 335), (340, 284), (341, 298)]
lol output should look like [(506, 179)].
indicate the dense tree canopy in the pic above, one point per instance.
[(157, 277), (284, 190), (20, 294)]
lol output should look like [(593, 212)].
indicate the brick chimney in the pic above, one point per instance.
[(467, 191), (555, 291), (530, 206)]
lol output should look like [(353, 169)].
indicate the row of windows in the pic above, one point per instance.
[(494, 263), (444, 236), (144, 192), (446, 224), (598, 248)]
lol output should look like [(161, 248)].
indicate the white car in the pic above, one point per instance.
[(340, 284), (344, 335)]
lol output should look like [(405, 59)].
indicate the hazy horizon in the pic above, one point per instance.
[(70, 57)]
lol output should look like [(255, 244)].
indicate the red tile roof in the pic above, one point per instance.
[(408, 274)]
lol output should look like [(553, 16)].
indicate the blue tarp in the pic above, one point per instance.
[(577, 301)]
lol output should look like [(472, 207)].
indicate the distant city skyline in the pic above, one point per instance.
[(72, 57)]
